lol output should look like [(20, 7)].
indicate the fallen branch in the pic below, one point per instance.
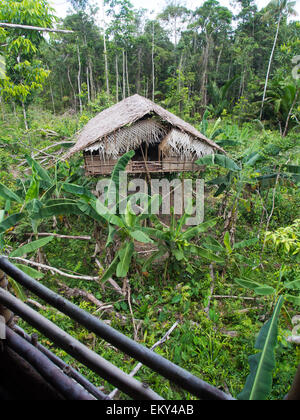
[(111, 281), (113, 394), (55, 270), (69, 293), (36, 304), (42, 151), (101, 306)]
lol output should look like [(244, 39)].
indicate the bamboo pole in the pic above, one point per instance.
[(47, 369), (68, 370), (98, 364), (164, 367)]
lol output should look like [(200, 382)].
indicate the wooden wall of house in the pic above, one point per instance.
[(94, 165)]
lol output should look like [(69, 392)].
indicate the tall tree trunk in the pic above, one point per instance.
[(25, 116), (205, 71), (290, 113), (127, 77), (124, 75), (138, 79), (219, 59), (92, 86), (179, 86), (88, 85), (269, 66), (79, 80), (153, 66), (73, 90), (106, 63), (52, 98), (117, 79)]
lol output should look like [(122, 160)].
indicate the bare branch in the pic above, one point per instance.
[(56, 235), (54, 270), (33, 28), (139, 365)]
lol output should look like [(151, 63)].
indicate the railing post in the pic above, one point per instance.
[(294, 393), (6, 315)]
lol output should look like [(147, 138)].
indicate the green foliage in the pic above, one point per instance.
[(286, 239), (24, 73), (259, 382), (281, 288)]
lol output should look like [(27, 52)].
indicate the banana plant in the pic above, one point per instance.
[(259, 382), (230, 252), (244, 171), (176, 242), (128, 228), (44, 198), (29, 248), (282, 288)]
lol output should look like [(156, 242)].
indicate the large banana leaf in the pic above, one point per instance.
[(31, 247), (30, 271), (59, 209), (219, 160), (43, 174), (193, 231), (140, 236), (78, 190), (125, 255), (259, 382), (9, 195), (111, 269), (10, 221), (206, 254)]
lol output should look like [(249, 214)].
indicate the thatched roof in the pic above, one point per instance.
[(125, 113)]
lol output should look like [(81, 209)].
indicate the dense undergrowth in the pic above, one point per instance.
[(218, 318)]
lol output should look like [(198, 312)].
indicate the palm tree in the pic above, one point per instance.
[(279, 8)]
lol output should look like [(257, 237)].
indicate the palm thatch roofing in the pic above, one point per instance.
[(133, 111)]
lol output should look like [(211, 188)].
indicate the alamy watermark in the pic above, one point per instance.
[(157, 197), (296, 68)]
